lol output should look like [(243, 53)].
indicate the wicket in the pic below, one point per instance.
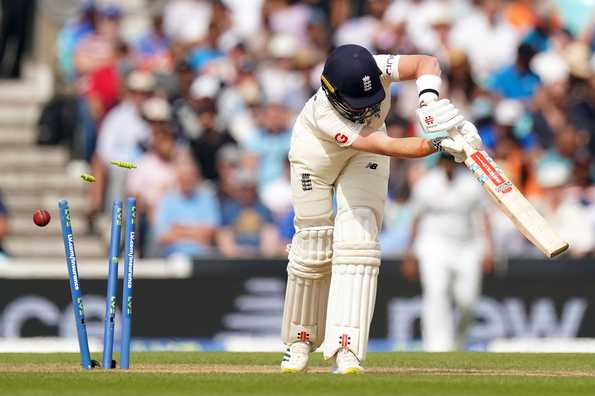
[(111, 301), (75, 290), (127, 283), (112, 281)]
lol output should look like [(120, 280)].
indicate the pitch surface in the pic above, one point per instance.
[(257, 374)]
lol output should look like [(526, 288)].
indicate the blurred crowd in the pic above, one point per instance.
[(204, 98)]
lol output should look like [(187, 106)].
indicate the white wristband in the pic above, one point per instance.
[(428, 83)]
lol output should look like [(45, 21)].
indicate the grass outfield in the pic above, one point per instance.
[(229, 373)]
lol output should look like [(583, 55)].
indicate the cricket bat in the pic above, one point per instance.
[(514, 204)]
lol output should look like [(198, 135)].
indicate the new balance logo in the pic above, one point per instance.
[(367, 83), (372, 165), (429, 120), (306, 182)]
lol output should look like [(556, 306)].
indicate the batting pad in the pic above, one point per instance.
[(308, 279), (352, 295)]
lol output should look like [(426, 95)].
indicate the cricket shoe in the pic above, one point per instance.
[(296, 356), (346, 363)]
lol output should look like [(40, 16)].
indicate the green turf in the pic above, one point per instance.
[(542, 376)]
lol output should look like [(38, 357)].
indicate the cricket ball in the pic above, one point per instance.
[(41, 217)]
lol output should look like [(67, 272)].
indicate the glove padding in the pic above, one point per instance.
[(439, 116), (466, 134)]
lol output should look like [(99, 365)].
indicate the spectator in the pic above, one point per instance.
[(229, 159), (546, 24), (208, 51), (184, 76), (581, 97), (286, 228), (97, 49), (152, 179), (516, 81), (154, 176), (245, 16), (253, 73), (4, 228), (185, 108), (289, 17), (398, 220), (515, 145), (492, 43), (568, 216), (210, 135), (70, 36), (279, 79), (238, 101), (120, 135), (509, 116), (16, 27), (180, 20), (398, 213), (276, 196), (521, 15), (271, 144), (184, 120), (462, 89), (153, 49), (439, 37), (186, 219), (364, 29), (418, 16), (95, 61), (248, 227), (552, 109)]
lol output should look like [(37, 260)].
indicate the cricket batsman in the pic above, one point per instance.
[(340, 149)]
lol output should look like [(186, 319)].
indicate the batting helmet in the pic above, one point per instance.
[(351, 81)]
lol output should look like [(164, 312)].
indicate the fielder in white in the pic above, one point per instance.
[(450, 236), (339, 148)]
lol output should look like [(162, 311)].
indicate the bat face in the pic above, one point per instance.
[(483, 164), (514, 204)]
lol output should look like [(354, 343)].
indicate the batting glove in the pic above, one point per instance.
[(439, 116), (465, 135)]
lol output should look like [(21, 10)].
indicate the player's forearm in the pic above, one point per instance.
[(377, 142), (410, 147), (428, 65), (412, 67)]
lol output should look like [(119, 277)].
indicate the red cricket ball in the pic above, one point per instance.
[(41, 217)]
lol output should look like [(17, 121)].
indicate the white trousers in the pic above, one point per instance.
[(359, 182), (451, 282)]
